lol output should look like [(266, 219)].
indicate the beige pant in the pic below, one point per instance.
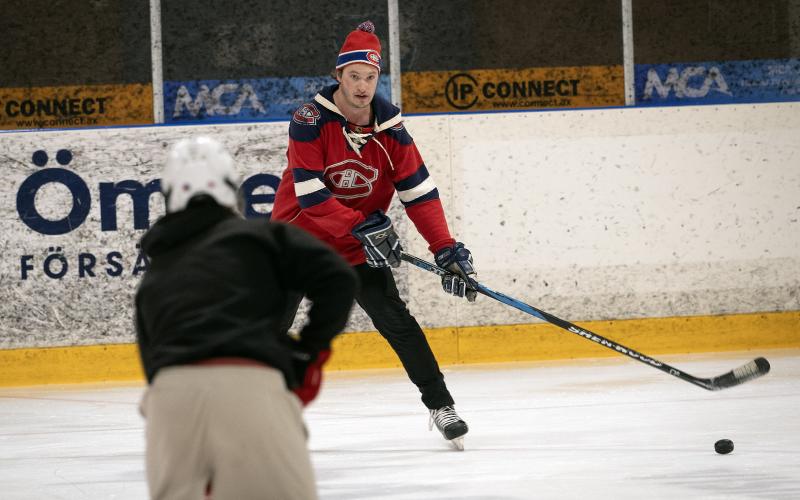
[(237, 427)]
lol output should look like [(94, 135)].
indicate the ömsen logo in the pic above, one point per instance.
[(307, 114), (64, 216), (350, 179)]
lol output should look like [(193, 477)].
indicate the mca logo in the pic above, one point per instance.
[(350, 179), (691, 82), (307, 114)]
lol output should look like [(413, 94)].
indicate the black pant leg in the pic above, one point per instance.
[(378, 296)]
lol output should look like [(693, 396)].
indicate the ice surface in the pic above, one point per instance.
[(599, 429)]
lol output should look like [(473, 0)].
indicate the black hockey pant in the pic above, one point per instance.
[(379, 298)]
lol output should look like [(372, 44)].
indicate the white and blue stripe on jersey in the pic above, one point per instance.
[(309, 187), (416, 188)]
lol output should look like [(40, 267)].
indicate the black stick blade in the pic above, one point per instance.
[(749, 371)]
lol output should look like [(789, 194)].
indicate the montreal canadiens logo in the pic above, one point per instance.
[(374, 57), (308, 114), (350, 179)]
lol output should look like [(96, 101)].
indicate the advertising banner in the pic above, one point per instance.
[(73, 207), (769, 80), (75, 106), (720, 236), (507, 89), (244, 100)]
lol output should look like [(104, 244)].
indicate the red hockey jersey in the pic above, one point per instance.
[(339, 173)]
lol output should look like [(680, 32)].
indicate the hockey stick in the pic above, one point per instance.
[(748, 371)]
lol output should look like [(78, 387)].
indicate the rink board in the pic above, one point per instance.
[(501, 343), (592, 215)]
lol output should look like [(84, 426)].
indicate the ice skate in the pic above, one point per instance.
[(450, 425)]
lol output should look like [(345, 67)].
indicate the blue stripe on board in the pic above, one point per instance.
[(245, 99), (724, 82)]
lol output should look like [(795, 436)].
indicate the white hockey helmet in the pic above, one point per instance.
[(198, 166)]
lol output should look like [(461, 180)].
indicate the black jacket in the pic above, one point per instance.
[(217, 286)]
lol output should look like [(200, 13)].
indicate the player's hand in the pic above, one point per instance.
[(308, 372), (381, 244), (458, 260)]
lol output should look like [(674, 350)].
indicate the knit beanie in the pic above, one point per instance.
[(361, 46)]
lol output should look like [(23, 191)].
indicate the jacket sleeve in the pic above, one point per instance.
[(142, 340), (312, 268)]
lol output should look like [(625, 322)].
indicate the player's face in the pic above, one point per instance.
[(357, 84)]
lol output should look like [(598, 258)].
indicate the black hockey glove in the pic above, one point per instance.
[(458, 260), (381, 244)]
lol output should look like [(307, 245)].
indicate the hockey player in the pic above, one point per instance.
[(348, 154), (219, 410)]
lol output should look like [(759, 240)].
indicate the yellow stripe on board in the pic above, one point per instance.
[(483, 344), (65, 365), (506, 89)]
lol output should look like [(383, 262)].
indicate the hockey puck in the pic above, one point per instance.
[(723, 446)]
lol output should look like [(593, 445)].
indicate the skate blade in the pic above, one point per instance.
[(458, 443)]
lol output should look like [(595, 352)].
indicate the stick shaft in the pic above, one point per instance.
[(749, 371)]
